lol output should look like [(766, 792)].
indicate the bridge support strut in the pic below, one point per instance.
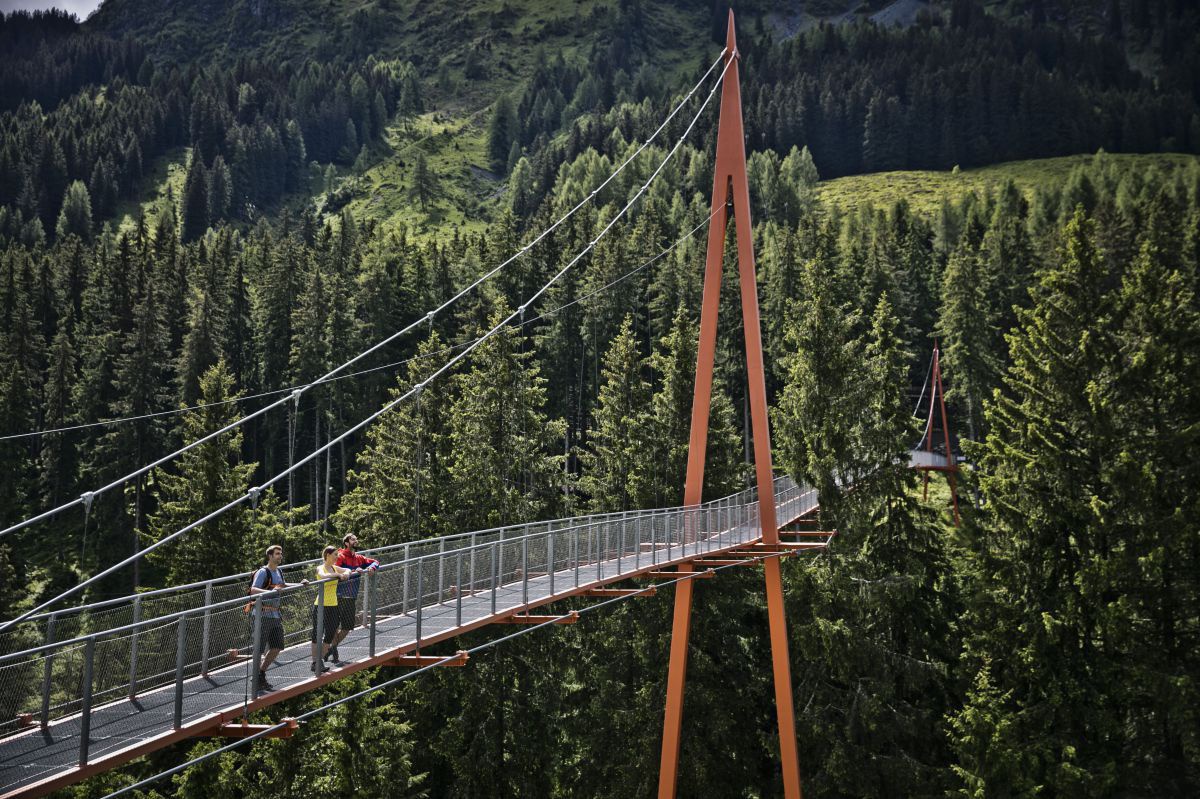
[(731, 194)]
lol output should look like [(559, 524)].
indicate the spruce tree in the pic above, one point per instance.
[(208, 477), (617, 441), (75, 218), (1041, 713), (502, 444)]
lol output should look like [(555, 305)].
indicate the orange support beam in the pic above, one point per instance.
[(731, 192), (244, 730), (418, 661), (609, 593), (702, 575), (524, 618)]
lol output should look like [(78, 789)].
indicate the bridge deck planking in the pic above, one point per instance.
[(41, 760)]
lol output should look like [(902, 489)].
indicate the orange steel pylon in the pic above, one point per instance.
[(937, 401), (731, 192)]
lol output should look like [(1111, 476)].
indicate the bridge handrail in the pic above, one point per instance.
[(583, 521), (389, 548)]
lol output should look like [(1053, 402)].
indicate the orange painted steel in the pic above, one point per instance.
[(937, 399), (731, 192), (610, 593), (245, 730), (459, 658), (701, 575), (525, 618)]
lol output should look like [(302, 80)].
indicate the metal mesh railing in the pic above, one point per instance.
[(422, 587)]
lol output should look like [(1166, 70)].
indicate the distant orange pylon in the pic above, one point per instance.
[(937, 400), (731, 191)]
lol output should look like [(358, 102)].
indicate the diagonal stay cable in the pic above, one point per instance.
[(684, 576), (455, 347), (87, 497), (253, 493)]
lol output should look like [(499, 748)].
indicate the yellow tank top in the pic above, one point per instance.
[(330, 588)]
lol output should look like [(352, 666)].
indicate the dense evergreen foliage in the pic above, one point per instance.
[(1048, 647)]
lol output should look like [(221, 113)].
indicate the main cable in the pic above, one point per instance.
[(256, 491), (454, 347), (685, 576), (87, 497)]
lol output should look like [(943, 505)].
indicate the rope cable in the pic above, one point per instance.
[(388, 340), (256, 490)]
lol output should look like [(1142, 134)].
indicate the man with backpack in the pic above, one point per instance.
[(347, 591), (268, 579)]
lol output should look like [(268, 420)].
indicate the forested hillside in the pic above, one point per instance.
[(349, 166)]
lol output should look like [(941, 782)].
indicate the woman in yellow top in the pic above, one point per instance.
[(329, 620)]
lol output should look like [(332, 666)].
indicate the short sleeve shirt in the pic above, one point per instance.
[(266, 578)]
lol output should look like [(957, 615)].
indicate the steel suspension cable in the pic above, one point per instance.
[(555, 620), (87, 496), (255, 492), (545, 314)]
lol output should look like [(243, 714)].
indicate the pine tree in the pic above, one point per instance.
[(674, 365), (399, 484), (502, 444), (209, 477), (194, 209), (616, 443), (815, 419), (502, 131), (966, 324), (873, 618), (1041, 716), (424, 181), (75, 219)]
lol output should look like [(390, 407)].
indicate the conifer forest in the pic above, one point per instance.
[(208, 204)]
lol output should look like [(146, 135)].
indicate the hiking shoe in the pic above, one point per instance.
[(263, 685), (335, 656)]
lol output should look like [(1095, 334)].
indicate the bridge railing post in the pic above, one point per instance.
[(420, 599), (474, 552), (206, 632), (404, 586), (180, 655), (372, 611), (525, 570), (575, 533), (500, 559), (318, 646), (495, 581), (550, 559), (441, 564), (255, 641), (85, 708), (48, 670), (133, 647), (458, 591)]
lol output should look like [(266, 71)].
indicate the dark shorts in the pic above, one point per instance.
[(329, 623), (271, 634), (347, 613)]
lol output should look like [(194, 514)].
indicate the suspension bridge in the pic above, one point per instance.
[(114, 680)]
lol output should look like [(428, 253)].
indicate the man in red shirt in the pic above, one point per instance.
[(347, 591)]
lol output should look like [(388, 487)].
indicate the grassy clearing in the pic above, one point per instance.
[(164, 178), (924, 189)]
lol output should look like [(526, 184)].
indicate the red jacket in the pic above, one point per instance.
[(348, 559)]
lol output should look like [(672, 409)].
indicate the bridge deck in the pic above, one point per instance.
[(44, 759)]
